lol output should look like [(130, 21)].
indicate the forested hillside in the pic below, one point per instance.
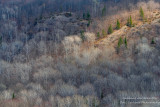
[(79, 53)]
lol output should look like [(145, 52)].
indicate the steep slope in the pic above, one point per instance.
[(125, 30)]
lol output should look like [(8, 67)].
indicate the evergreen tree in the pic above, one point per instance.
[(41, 17), (84, 16), (13, 96), (152, 42), (120, 42), (69, 14), (35, 22), (88, 16), (82, 36), (142, 13), (104, 11), (98, 35), (110, 30), (102, 96), (89, 22), (131, 21), (118, 25), (104, 33), (125, 42)]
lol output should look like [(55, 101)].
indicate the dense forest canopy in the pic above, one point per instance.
[(79, 53), (22, 10)]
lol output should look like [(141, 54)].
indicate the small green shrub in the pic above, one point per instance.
[(110, 30), (118, 26)]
